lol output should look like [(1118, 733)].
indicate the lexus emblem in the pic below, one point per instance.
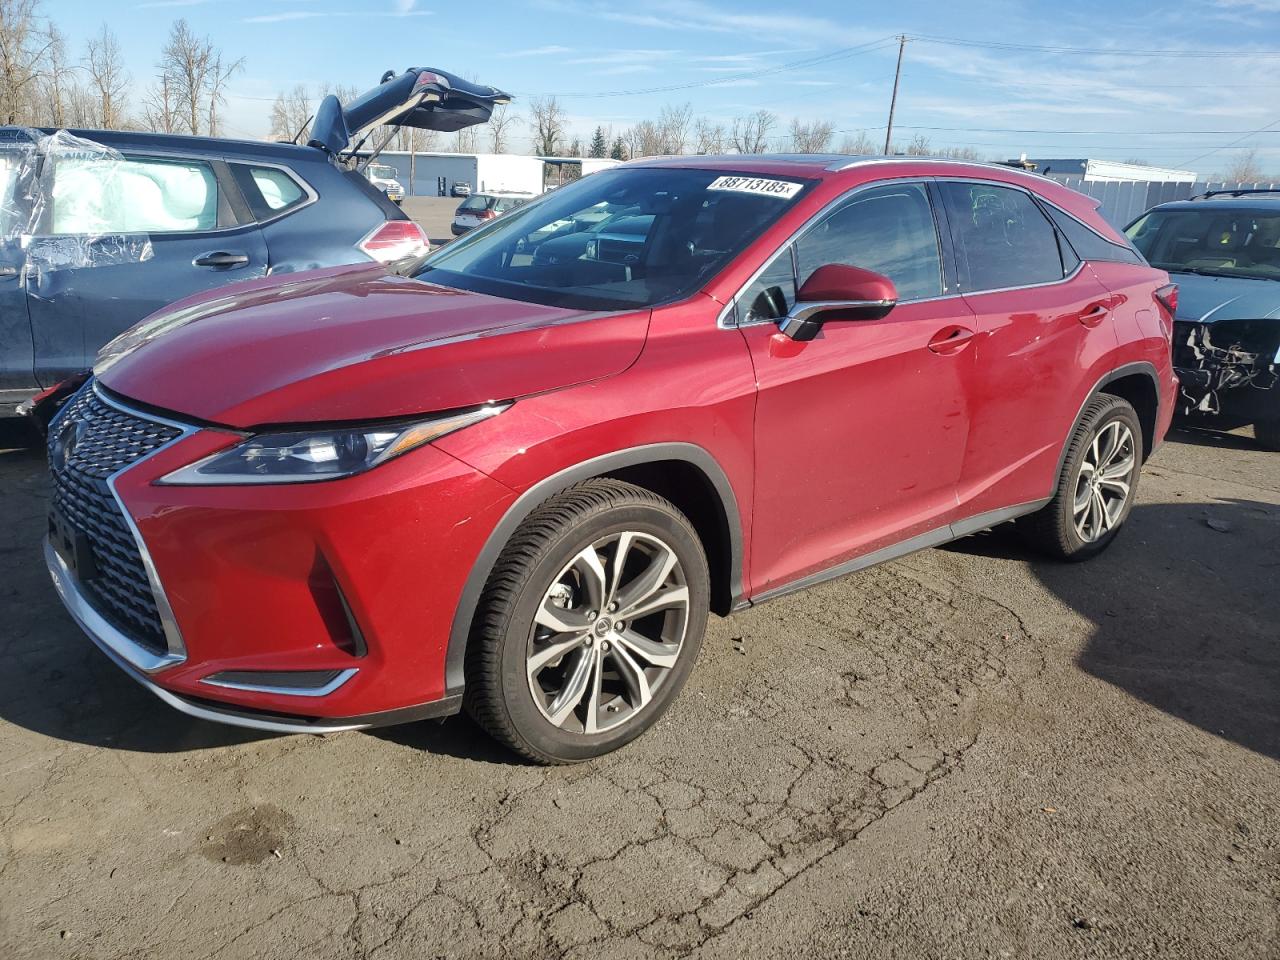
[(65, 442)]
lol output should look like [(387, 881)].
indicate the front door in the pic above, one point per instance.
[(860, 433), (123, 237)]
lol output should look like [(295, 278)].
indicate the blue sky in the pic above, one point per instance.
[(736, 57)]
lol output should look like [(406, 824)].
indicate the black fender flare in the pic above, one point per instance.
[(1125, 370), (527, 502)]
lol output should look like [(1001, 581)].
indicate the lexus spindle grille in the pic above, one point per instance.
[(89, 443)]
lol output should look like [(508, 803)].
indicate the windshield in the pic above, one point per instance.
[(1227, 242), (379, 172), (620, 238)]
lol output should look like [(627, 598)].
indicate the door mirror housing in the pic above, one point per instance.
[(838, 292)]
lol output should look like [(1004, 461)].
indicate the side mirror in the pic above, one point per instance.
[(838, 292)]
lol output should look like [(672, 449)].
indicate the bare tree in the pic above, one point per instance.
[(708, 137), (674, 124), (500, 123), (812, 137), (57, 81), (24, 46), (861, 145), (196, 75), (546, 116), (291, 115), (159, 106), (918, 147), (108, 79), (1244, 168), (466, 140), (750, 134)]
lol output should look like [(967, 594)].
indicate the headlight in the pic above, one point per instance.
[(307, 455)]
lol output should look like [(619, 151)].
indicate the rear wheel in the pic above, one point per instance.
[(1267, 433), (1098, 484), (589, 624)]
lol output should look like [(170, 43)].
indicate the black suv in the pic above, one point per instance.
[(1223, 249)]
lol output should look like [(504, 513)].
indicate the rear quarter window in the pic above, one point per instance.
[(1088, 244), (269, 191)]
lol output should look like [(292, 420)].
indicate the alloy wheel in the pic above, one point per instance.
[(608, 632), (1105, 481)]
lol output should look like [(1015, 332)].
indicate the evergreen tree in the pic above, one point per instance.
[(598, 146), (619, 151)]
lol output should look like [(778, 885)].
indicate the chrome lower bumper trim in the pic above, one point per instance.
[(96, 626), (137, 662), (342, 677)]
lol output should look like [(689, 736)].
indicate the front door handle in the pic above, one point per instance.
[(950, 340), (1094, 314), (221, 258)]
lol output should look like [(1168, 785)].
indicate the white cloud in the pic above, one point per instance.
[(547, 51)]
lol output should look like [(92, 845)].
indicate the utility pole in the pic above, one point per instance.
[(893, 101)]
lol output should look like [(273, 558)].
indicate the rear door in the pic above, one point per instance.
[(860, 433), (121, 238), (1044, 321)]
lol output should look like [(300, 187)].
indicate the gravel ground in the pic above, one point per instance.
[(965, 753)]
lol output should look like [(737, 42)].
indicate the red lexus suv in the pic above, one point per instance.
[(517, 480)]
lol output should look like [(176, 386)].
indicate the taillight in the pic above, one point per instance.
[(488, 214), (1168, 297), (395, 240)]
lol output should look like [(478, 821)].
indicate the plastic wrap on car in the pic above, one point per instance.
[(30, 160)]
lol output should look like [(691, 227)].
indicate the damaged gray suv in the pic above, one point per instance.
[(1223, 250)]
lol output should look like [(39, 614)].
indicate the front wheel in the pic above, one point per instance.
[(1267, 433), (589, 623), (1097, 487)]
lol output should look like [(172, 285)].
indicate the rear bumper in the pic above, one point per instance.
[(456, 230)]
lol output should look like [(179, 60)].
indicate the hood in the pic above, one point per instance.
[(1204, 299), (353, 343)]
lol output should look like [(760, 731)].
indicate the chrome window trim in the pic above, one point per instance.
[(129, 649), (342, 677), (724, 319), (312, 195)]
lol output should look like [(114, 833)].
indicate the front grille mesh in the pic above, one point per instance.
[(105, 441)]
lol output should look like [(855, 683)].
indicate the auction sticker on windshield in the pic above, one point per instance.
[(783, 189)]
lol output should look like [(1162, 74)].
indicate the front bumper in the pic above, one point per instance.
[(1228, 369), (358, 579)]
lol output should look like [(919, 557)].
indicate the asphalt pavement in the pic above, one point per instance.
[(969, 752)]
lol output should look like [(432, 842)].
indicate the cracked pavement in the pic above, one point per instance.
[(966, 753)]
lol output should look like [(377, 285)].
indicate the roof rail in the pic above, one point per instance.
[(1244, 191)]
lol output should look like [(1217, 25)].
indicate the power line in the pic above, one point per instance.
[(1266, 129), (1104, 52)]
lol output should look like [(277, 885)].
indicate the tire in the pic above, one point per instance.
[(1267, 433), (1059, 529), (552, 671)]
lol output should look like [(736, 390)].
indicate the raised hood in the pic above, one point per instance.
[(1203, 299), (353, 343)]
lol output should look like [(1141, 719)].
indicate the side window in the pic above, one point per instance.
[(772, 294), (1002, 238), (279, 190), (269, 191), (133, 196), (887, 229), (1086, 243)]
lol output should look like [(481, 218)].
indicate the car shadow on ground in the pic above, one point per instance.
[(1185, 612), (1205, 435)]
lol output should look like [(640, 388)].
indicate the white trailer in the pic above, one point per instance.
[(483, 172)]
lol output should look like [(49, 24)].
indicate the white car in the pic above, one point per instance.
[(480, 208), (384, 178)]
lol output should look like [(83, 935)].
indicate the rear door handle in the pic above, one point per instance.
[(1095, 314), (7, 271), (221, 258), (950, 340)]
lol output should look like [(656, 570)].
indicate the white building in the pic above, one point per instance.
[(434, 173), (1109, 171)]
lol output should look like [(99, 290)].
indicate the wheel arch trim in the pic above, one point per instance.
[(530, 499), (1143, 367)]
